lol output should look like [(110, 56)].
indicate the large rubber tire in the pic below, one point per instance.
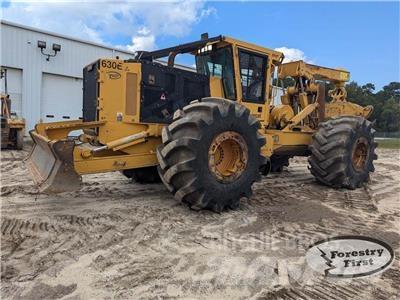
[(143, 175), (184, 154), (334, 145)]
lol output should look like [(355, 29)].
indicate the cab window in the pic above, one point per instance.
[(219, 63), (252, 76)]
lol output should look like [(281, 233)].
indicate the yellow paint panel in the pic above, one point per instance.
[(111, 109), (114, 163), (344, 76), (216, 87), (131, 94), (276, 139)]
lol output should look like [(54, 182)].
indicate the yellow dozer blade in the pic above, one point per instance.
[(52, 165)]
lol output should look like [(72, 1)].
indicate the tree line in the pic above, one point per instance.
[(386, 103)]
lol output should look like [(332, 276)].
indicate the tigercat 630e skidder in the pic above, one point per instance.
[(208, 135)]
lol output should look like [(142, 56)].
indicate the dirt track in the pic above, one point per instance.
[(116, 239)]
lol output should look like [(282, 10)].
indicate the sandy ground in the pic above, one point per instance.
[(116, 239)]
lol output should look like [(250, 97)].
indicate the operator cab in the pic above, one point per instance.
[(225, 68), (218, 62)]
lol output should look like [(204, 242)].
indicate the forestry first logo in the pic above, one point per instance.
[(350, 256)]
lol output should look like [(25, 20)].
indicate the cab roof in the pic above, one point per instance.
[(192, 47)]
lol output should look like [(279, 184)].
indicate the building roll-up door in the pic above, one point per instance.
[(14, 89), (61, 98)]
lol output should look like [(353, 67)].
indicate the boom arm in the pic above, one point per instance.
[(307, 91), (300, 69), (312, 72)]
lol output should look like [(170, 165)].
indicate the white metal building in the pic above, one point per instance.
[(46, 90)]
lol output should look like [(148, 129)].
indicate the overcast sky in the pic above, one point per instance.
[(362, 37)]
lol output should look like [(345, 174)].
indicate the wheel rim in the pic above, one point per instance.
[(360, 154), (228, 156)]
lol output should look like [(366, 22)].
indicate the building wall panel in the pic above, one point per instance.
[(19, 50), (61, 98)]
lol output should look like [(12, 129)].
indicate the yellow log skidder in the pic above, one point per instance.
[(12, 126), (208, 135)]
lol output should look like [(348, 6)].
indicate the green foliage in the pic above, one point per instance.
[(286, 82), (389, 143), (386, 103)]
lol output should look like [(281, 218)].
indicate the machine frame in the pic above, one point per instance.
[(119, 140)]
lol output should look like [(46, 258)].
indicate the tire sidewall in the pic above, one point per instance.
[(355, 175)]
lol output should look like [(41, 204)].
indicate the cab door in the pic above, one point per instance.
[(252, 72)]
